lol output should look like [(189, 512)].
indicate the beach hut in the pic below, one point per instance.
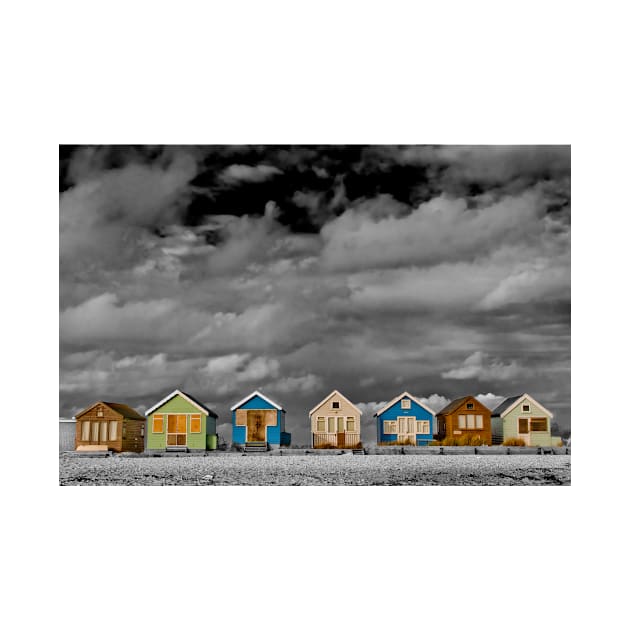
[(465, 420), (522, 417), (405, 420), (258, 423), (180, 422), (109, 426), (335, 423)]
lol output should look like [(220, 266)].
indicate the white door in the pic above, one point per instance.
[(407, 429)]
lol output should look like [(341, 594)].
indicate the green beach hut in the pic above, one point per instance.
[(180, 422)]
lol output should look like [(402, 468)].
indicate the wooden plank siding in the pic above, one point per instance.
[(93, 416), (335, 433), (449, 425), (129, 432)]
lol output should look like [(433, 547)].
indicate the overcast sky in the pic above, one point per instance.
[(440, 270)]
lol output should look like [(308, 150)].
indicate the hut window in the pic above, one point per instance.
[(470, 421), (85, 431), (321, 424), (525, 408), (340, 425), (405, 403), (335, 405), (103, 431), (99, 412), (479, 422), (523, 425), (113, 430), (422, 426), (195, 423), (470, 406), (539, 424), (389, 427), (350, 424), (462, 422), (158, 424), (142, 430), (331, 425), (95, 431)]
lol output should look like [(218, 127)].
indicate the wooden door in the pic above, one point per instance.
[(176, 430), (256, 426), (407, 429), (341, 440)]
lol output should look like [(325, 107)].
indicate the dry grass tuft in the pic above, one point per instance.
[(514, 442)]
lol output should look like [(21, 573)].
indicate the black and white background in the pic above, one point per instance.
[(298, 269)]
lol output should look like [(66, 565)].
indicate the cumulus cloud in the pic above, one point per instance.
[(443, 229), (480, 366), (435, 402), (490, 400), (106, 220)]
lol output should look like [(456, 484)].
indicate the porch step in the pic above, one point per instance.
[(358, 451), (256, 447), (177, 449)]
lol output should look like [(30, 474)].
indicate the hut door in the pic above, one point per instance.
[(256, 426), (407, 429), (341, 436)]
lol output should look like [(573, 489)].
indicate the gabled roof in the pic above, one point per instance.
[(497, 411), (256, 393), (188, 397), (318, 405), (458, 402), (124, 410), (403, 395), (509, 403)]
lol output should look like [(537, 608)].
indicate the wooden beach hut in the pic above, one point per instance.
[(405, 420), (522, 417), (179, 422), (335, 423), (258, 423), (109, 426), (466, 421)]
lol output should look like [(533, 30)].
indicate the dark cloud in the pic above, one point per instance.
[(297, 270)]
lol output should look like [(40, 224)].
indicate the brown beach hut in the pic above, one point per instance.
[(112, 426)]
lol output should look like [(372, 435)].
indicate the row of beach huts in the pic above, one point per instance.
[(180, 422)]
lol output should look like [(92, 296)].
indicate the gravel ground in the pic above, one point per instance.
[(339, 470)]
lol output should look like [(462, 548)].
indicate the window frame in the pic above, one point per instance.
[(537, 420), (333, 403), (161, 418), (405, 403), (528, 410), (194, 417), (390, 427), (321, 419), (526, 421)]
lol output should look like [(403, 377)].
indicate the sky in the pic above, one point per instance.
[(443, 271)]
